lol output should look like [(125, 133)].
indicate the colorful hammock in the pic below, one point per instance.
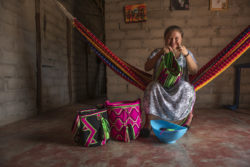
[(206, 74), (140, 79), (222, 60)]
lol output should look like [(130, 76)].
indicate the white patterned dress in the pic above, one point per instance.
[(171, 104)]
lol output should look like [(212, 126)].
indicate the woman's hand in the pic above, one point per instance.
[(191, 64), (182, 49), (166, 49)]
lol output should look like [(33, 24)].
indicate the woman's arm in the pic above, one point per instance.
[(191, 64), (149, 65)]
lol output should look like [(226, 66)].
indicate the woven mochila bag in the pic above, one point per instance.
[(91, 127), (124, 119), (169, 71)]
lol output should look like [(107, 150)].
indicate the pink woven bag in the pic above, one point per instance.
[(125, 119)]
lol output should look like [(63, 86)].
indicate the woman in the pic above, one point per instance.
[(175, 103)]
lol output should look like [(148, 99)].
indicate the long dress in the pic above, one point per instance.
[(171, 104)]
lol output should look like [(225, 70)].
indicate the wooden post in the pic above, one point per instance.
[(38, 57), (86, 68), (69, 48)]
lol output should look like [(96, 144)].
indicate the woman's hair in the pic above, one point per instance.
[(172, 28)]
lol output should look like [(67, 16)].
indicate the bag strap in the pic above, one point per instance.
[(127, 137), (131, 131), (86, 113), (122, 103), (124, 106), (104, 128)]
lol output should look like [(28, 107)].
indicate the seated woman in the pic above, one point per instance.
[(175, 103)]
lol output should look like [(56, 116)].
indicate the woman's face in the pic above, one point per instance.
[(173, 39)]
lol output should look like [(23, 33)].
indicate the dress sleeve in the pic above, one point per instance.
[(153, 53), (183, 63), (191, 54)]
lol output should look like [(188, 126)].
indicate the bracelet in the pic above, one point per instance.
[(186, 55)]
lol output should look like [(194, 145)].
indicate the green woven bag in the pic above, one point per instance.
[(169, 71)]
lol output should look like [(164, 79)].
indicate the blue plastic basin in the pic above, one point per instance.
[(171, 132)]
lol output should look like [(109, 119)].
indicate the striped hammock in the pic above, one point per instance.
[(141, 79)]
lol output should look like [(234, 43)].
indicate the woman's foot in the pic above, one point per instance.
[(145, 131), (187, 126), (189, 121)]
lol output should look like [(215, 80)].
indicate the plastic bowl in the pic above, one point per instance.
[(167, 132)]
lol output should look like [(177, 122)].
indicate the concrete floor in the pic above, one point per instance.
[(216, 138)]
